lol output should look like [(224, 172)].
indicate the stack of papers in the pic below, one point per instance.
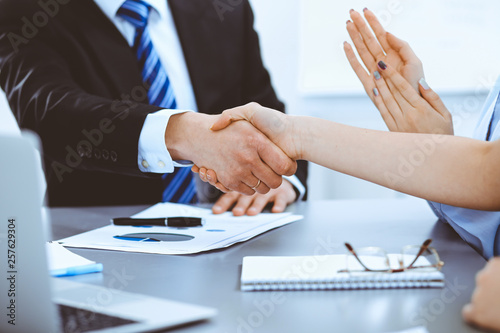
[(218, 231), (65, 263)]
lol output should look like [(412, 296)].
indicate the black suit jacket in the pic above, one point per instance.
[(70, 76)]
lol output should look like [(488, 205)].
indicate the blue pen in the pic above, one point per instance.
[(70, 271)]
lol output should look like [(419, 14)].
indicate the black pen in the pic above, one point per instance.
[(178, 221)]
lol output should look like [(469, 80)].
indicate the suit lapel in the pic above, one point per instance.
[(109, 46), (203, 38)]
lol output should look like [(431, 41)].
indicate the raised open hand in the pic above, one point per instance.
[(405, 110)]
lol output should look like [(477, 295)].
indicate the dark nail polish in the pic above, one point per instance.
[(382, 65)]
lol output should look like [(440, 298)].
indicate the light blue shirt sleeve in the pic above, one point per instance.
[(481, 229)]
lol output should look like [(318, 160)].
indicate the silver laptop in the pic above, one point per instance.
[(32, 301)]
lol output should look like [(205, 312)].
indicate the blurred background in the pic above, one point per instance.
[(301, 43)]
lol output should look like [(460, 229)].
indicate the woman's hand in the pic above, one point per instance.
[(392, 51), (404, 110), (381, 47), (277, 126)]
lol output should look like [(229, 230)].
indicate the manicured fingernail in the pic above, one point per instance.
[(348, 21), (424, 84), (365, 9), (376, 74), (375, 91), (216, 208), (382, 65), (350, 11), (208, 177)]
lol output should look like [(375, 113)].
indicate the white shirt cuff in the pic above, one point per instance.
[(298, 185), (153, 153)]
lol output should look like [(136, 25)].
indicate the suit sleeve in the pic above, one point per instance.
[(257, 82), (72, 123)]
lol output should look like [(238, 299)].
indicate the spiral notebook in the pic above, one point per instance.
[(321, 273)]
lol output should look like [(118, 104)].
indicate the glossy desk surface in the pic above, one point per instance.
[(212, 279)]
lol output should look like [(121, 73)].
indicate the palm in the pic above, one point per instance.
[(412, 72)]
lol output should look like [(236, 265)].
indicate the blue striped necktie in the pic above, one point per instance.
[(179, 185)]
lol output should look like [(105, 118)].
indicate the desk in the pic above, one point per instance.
[(212, 279)]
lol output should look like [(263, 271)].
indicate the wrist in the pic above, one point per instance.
[(179, 134), (297, 136)]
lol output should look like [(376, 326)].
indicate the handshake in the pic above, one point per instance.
[(244, 152), (267, 152)]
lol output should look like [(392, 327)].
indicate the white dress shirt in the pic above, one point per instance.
[(153, 154)]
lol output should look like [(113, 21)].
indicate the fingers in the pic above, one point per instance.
[(222, 188), (377, 28), (433, 99), (468, 313), (361, 73), (277, 161), (211, 177), (258, 204), (261, 188), (401, 86), (224, 120), (225, 202), (392, 115), (203, 174), (370, 87), (229, 116), (249, 205), (195, 169), (255, 204), (280, 204), (360, 46), (242, 205), (369, 39)]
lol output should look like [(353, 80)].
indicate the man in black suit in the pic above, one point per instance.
[(70, 75)]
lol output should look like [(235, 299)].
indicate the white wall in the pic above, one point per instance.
[(277, 22)]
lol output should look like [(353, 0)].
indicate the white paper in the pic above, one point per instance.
[(60, 258), (219, 231)]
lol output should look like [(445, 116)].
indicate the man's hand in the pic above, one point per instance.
[(275, 125), (254, 204), (241, 155), (484, 308)]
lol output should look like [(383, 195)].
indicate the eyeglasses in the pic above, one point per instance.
[(375, 259)]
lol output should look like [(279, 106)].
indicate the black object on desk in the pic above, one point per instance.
[(178, 221)]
